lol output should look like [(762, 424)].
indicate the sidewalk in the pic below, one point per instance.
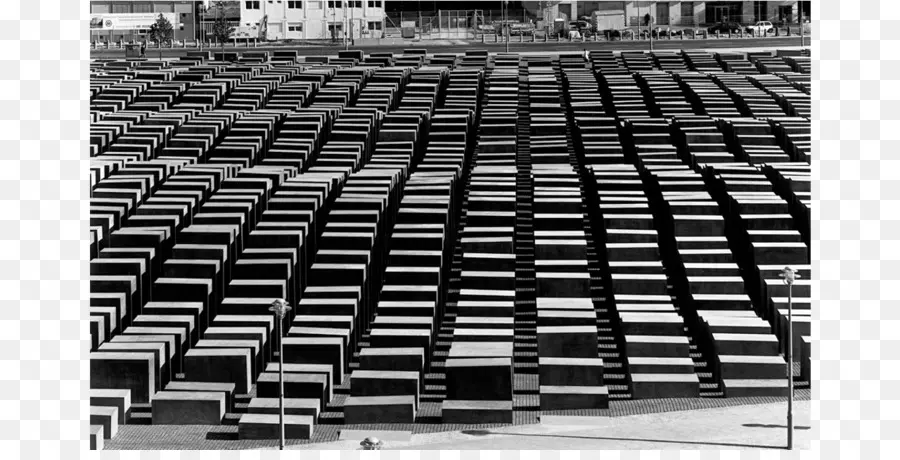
[(742, 427), (539, 48), (558, 52)]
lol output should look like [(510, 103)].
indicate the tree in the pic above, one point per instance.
[(161, 32), (222, 29)]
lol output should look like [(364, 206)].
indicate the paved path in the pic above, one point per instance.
[(743, 427), (723, 43)]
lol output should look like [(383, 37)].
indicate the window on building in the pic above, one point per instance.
[(142, 8), (295, 27), (725, 12), (373, 25), (121, 8), (252, 5), (335, 4), (314, 5), (374, 4), (355, 4), (759, 11), (785, 13), (167, 7), (295, 5)]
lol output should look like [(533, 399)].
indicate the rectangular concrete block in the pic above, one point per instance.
[(385, 383), (120, 399), (567, 341), (360, 410), (755, 388), (554, 371), (313, 386), (745, 344), (656, 346), (266, 426), (292, 406), (220, 365), (573, 397), (479, 378), (479, 411), (658, 386), (96, 437), (132, 371), (188, 408), (107, 417)]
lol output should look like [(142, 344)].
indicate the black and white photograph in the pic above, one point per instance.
[(450, 225)]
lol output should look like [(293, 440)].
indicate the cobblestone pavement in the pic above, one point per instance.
[(326, 436)]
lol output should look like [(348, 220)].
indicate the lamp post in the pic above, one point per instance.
[(280, 308), (506, 23), (198, 10), (790, 275)]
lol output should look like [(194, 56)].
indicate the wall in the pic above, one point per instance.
[(184, 8), (314, 21), (699, 18)]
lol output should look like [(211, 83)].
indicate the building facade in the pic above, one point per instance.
[(617, 13), (686, 14), (311, 19), (230, 10), (117, 20)]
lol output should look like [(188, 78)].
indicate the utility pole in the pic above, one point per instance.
[(199, 23), (800, 21), (344, 22), (280, 308), (789, 275)]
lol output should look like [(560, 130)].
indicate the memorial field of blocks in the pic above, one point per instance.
[(463, 239)]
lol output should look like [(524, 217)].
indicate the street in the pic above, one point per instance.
[(447, 46)]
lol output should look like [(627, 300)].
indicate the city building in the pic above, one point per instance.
[(230, 10), (435, 18), (311, 19), (118, 20)]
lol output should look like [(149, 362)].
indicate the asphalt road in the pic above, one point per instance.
[(674, 44)]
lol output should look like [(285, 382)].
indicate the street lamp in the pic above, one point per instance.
[(506, 22), (790, 275), (280, 308)]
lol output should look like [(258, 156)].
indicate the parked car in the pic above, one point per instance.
[(665, 32), (761, 27), (583, 27), (725, 27)]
